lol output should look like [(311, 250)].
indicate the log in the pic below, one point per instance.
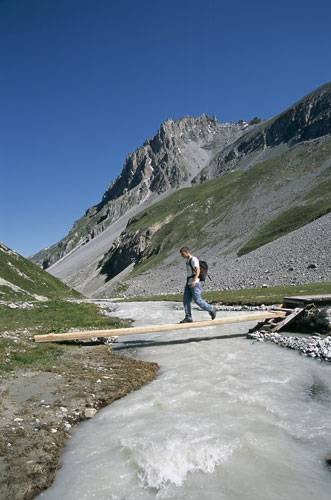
[(137, 330), (288, 319)]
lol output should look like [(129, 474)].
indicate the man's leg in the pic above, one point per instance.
[(196, 292), (187, 299)]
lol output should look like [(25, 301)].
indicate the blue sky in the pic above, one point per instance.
[(84, 82)]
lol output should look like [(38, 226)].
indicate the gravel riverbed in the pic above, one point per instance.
[(313, 347)]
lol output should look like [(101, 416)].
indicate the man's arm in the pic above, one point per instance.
[(196, 275)]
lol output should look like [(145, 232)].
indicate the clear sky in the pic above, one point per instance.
[(84, 82)]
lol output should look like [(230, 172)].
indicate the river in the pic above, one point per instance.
[(225, 419)]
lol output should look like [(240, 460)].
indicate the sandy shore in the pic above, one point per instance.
[(38, 410)]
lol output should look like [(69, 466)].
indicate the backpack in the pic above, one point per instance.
[(203, 270)]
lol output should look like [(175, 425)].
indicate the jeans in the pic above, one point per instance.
[(195, 294)]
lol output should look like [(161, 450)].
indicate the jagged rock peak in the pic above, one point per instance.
[(191, 127), (169, 160), (171, 125), (160, 161)]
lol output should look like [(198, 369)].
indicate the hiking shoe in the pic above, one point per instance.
[(186, 320), (213, 313)]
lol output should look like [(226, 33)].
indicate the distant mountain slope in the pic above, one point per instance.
[(233, 214), (265, 180), (299, 257), (20, 279), (167, 161)]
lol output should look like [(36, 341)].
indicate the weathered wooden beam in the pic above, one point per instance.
[(288, 319), (138, 330)]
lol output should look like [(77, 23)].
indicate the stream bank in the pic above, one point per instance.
[(39, 410)]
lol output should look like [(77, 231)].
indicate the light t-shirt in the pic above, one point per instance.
[(189, 270)]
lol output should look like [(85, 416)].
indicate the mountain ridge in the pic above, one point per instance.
[(166, 161), (281, 172), (295, 124)]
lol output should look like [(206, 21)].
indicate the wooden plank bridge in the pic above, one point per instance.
[(138, 330)]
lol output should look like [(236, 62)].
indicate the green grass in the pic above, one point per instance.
[(30, 278), (249, 296), (53, 316), (23, 356), (315, 204)]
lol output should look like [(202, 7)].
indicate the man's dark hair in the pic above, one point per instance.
[(185, 249)]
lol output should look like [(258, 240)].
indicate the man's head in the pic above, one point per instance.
[(185, 252)]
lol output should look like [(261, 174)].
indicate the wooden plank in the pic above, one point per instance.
[(284, 309), (137, 330), (287, 319)]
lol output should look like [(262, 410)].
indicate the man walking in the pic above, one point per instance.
[(193, 287)]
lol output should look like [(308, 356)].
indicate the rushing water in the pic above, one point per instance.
[(225, 419)]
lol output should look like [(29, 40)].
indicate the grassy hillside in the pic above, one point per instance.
[(49, 311), (20, 279), (316, 203), (208, 213)]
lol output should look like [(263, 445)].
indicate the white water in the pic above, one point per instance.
[(225, 419)]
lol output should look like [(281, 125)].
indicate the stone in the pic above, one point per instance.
[(67, 426), (90, 412)]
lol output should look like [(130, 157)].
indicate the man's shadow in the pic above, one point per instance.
[(159, 343)]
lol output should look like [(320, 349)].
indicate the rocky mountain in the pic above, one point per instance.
[(308, 119), (232, 215), (22, 280), (250, 186), (169, 160)]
